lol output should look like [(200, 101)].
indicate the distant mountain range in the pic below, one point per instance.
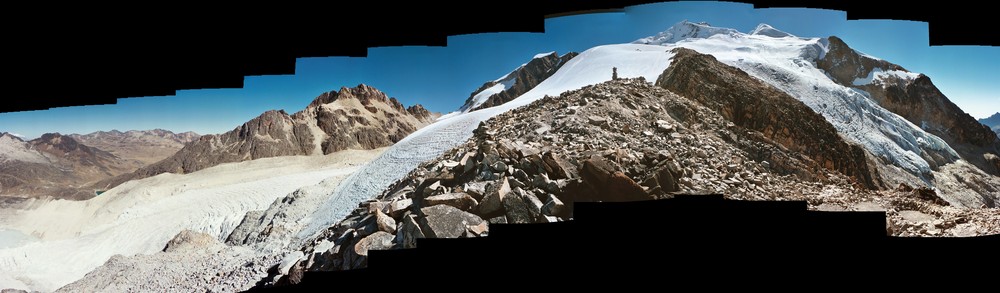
[(993, 122), (361, 117), (60, 166)]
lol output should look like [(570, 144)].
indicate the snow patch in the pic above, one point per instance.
[(879, 75), (543, 55)]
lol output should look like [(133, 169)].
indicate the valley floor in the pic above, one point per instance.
[(140, 217)]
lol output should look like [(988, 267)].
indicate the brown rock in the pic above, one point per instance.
[(520, 207), (462, 201), (609, 184), (399, 206), (492, 203), (385, 222), (557, 167), (377, 241), (553, 207), (408, 233), (480, 230), (444, 221), (666, 180)]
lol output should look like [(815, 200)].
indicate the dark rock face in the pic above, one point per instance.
[(754, 105), (918, 101), (352, 118), (844, 64), (524, 79)]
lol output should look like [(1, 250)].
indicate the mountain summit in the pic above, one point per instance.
[(767, 30), (686, 30)]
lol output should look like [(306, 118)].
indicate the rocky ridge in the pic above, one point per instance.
[(517, 82), (361, 117), (622, 140)]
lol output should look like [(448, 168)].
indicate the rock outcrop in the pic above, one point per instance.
[(351, 118), (756, 106), (517, 82)]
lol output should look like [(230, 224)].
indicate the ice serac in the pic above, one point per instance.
[(914, 97), (517, 82), (361, 117), (757, 106), (686, 30)]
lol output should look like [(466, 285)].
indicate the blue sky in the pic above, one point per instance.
[(441, 78)]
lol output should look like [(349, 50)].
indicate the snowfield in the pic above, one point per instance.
[(139, 217)]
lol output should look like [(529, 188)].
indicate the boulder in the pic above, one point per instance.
[(468, 162), (398, 207), (519, 207), (460, 200), (289, 260), (190, 240), (664, 126), (444, 221), (609, 184), (666, 180), (385, 222), (492, 203), (408, 231), (557, 167), (480, 230), (377, 241), (476, 189), (597, 120), (553, 206)]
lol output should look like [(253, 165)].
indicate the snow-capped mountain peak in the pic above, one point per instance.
[(686, 30), (768, 30)]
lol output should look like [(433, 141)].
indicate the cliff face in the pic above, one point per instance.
[(754, 105), (915, 98), (352, 118)]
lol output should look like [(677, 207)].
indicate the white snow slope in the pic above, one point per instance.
[(788, 63), (139, 217)]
